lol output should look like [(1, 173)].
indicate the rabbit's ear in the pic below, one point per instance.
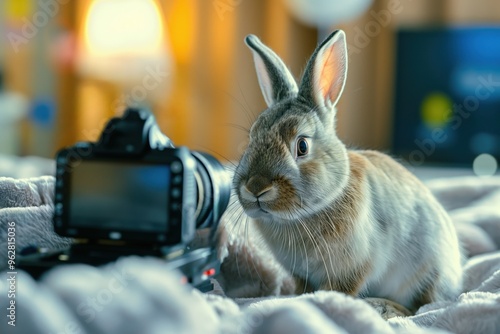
[(326, 71), (276, 81)]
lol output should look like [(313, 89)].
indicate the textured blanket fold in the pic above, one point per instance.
[(26, 193), (28, 204), (138, 295)]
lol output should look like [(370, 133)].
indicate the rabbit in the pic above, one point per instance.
[(354, 221)]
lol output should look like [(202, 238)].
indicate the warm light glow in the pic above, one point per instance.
[(122, 41), (123, 27)]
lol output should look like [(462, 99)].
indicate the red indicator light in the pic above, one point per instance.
[(209, 272)]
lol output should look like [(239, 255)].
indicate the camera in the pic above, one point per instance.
[(134, 193)]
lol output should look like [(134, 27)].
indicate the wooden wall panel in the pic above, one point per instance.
[(214, 95), (472, 12)]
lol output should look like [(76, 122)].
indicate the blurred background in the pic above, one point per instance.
[(423, 82)]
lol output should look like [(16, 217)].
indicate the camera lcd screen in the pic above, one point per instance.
[(119, 196)]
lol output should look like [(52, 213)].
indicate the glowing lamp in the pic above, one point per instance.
[(121, 39)]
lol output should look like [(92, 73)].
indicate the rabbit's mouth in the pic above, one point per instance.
[(258, 212), (262, 211), (256, 209)]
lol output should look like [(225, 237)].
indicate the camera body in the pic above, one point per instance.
[(151, 200), (134, 193)]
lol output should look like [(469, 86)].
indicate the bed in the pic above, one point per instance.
[(138, 295)]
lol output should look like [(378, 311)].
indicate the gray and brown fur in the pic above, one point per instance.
[(337, 219)]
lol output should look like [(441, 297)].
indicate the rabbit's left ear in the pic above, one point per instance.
[(326, 72), (276, 81)]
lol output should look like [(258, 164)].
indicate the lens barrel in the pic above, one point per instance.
[(213, 190)]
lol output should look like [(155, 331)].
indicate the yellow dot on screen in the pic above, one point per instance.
[(436, 110)]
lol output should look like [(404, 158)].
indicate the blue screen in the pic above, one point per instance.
[(121, 196), (447, 107)]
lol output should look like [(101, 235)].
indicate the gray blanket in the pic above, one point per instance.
[(137, 295)]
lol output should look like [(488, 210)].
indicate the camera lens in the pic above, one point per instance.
[(213, 188)]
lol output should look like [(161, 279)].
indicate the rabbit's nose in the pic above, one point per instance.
[(258, 188)]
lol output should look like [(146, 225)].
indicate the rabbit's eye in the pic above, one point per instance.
[(302, 147)]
